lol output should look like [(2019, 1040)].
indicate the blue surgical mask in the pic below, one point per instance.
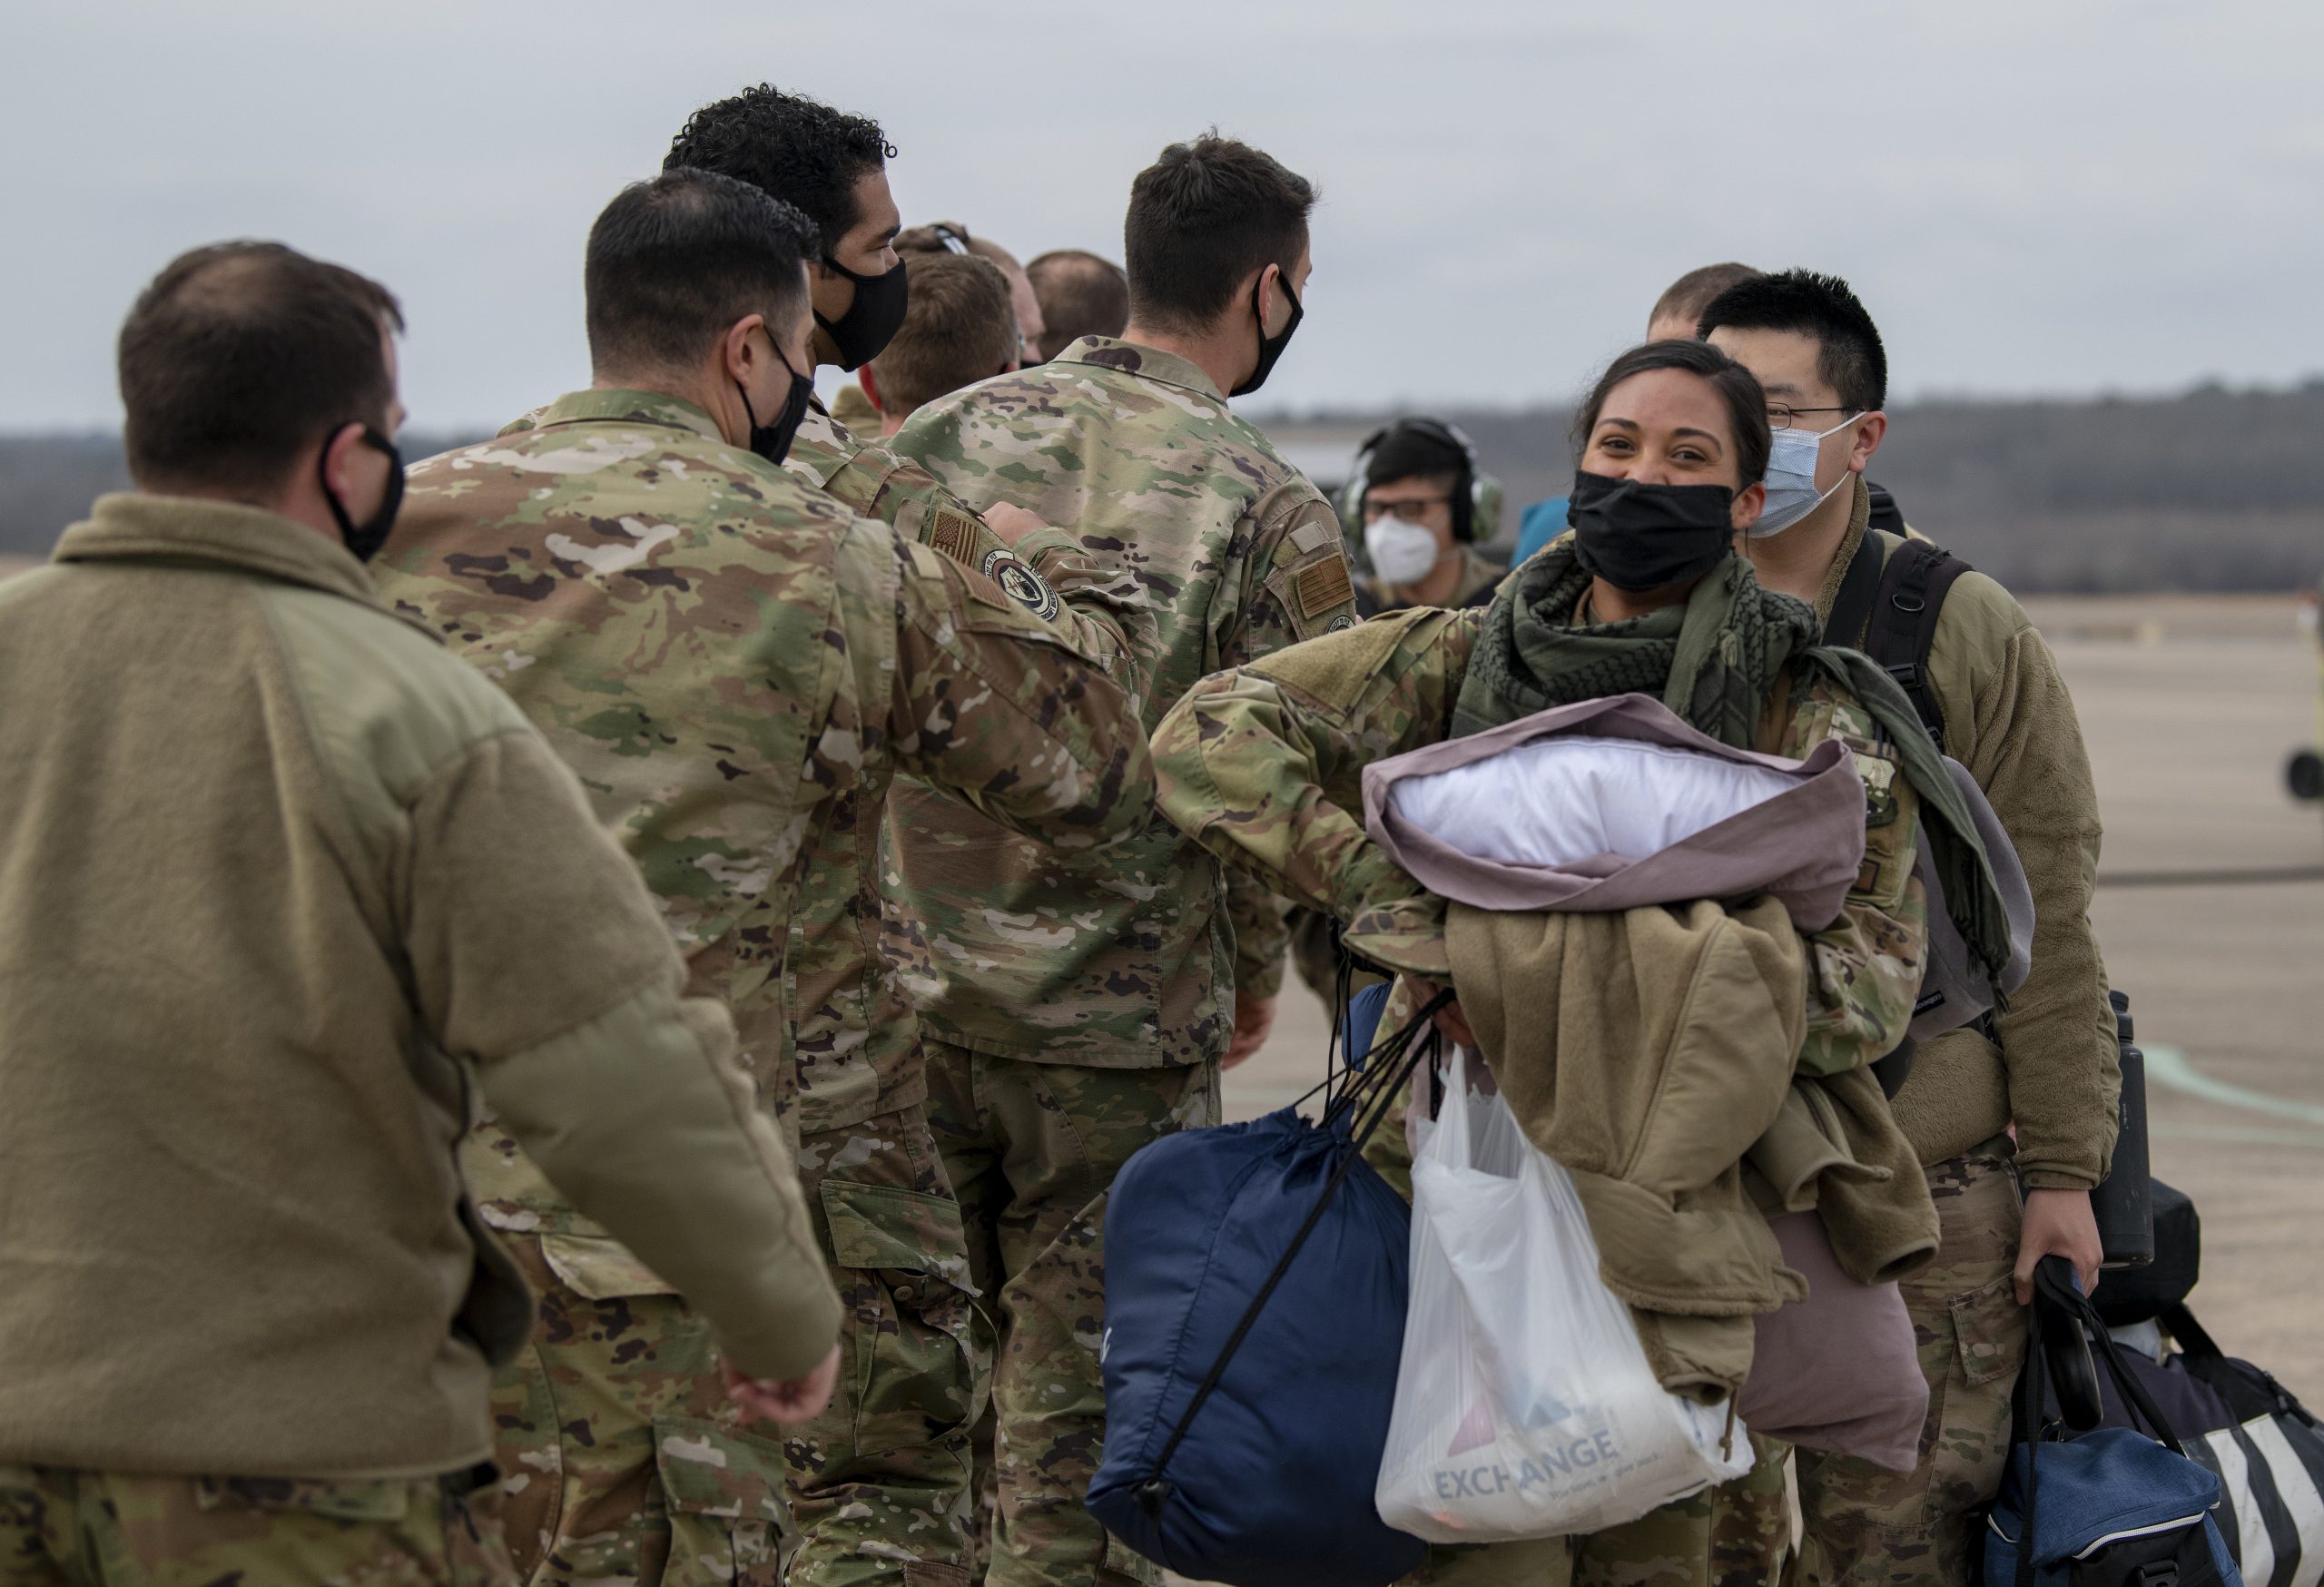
[(1791, 478)]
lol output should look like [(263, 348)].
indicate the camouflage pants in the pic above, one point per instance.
[(1032, 1150), (1670, 1547), (881, 1483), (623, 1458), (627, 1462), (103, 1528), (1865, 1526)]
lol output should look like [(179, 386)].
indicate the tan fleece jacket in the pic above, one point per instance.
[(2056, 1074), (1650, 1051), (283, 887)]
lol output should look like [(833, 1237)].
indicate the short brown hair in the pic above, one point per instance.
[(958, 330), (1690, 294), (240, 355), (1203, 216), (1080, 295)]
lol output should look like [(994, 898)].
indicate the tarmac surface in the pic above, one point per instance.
[(2189, 706)]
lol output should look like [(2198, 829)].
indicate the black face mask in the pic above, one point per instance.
[(364, 540), (1270, 347), (1639, 537), (864, 332), (773, 441)]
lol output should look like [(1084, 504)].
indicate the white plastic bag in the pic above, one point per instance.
[(1524, 1405)]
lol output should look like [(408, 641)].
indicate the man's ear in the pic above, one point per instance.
[(339, 446), (738, 353), (870, 383), (1271, 296), (1871, 431)]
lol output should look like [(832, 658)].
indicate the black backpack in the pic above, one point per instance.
[(1889, 612)]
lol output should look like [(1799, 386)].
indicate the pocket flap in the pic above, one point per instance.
[(873, 1226), (600, 1267), (709, 1470)]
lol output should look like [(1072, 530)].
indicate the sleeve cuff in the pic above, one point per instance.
[(2057, 1178)]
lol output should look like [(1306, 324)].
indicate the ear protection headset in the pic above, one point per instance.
[(1468, 483)]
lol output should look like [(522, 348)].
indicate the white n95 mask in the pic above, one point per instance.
[(1791, 478), (1400, 552)]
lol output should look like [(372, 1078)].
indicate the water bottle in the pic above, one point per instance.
[(2122, 1203)]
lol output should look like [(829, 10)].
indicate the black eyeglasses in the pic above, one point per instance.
[(1782, 414)]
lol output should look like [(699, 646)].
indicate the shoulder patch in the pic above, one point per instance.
[(1323, 587), (952, 534), (1021, 584), (1311, 537)]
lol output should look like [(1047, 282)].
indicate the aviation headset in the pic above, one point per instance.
[(1468, 486)]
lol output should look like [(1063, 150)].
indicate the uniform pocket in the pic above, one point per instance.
[(600, 1267), (1989, 1332), (727, 1511), (918, 1342)]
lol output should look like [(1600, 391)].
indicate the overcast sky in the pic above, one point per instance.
[(2032, 196)]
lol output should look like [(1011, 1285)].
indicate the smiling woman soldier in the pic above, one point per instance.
[(1262, 763)]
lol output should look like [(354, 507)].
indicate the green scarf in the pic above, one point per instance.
[(1713, 660)]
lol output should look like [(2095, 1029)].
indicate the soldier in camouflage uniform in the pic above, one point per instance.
[(737, 664), (832, 166), (1263, 766), (1077, 1010), (2014, 1121)]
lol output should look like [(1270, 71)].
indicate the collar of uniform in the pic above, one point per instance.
[(136, 527), (630, 408), (1859, 520), (1109, 352)]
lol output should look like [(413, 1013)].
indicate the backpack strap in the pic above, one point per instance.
[(1902, 624), (1859, 588)]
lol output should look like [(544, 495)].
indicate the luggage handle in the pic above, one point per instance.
[(1373, 1105)]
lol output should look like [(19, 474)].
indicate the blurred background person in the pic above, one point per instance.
[(1421, 504), (1081, 294), (854, 406), (958, 329)]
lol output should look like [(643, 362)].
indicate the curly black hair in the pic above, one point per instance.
[(788, 146)]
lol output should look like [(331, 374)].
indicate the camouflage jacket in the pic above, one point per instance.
[(736, 666), (1263, 766), (1130, 962), (1098, 606)]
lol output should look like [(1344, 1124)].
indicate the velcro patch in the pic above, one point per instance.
[(952, 534), (1323, 587), (1028, 588)]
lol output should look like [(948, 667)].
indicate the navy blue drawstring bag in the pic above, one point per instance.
[(1254, 1314)]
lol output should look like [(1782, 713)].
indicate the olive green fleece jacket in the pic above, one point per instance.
[(283, 888), (2057, 1071)]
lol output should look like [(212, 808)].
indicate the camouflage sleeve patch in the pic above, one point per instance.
[(1016, 579), (951, 534), (1308, 589)]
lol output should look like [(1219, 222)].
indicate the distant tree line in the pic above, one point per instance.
[(2212, 490)]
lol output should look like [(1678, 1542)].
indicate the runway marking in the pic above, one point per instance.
[(2168, 1066)]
